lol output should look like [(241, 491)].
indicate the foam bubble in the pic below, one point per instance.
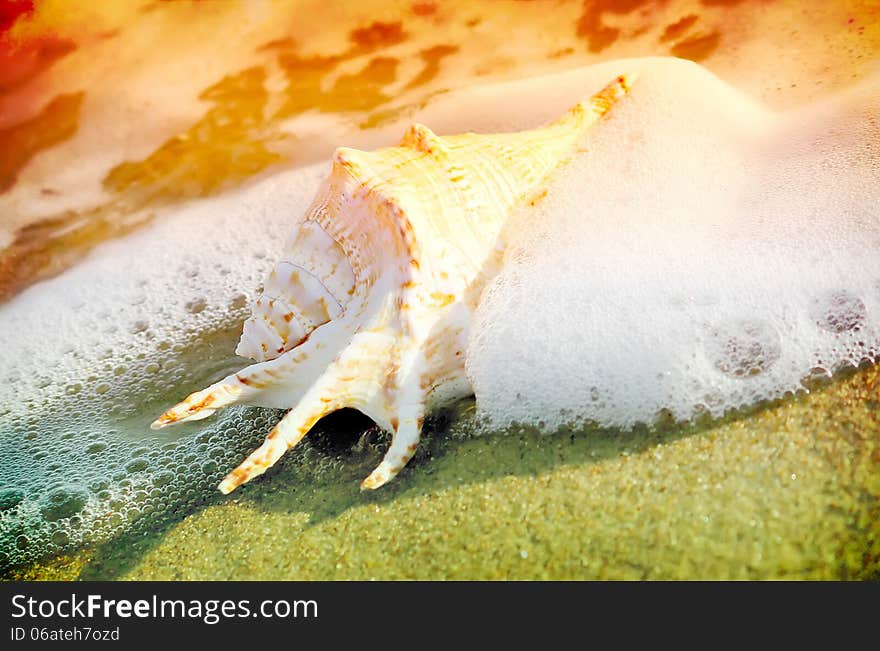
[(91, 356)]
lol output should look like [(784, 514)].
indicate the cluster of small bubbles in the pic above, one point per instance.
[(239, 301), (839, 311), (10, 497), (79, 462), (63, 502), (196, 305), (743, 348)]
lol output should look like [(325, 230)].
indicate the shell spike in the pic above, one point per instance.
[(403, 446), (330, 392), (201, 404), (602, 101), (585, 113), (350, 162), (421, 138), (407, 428), (289, 431)]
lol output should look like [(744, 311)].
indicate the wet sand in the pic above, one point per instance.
[(791, 491)]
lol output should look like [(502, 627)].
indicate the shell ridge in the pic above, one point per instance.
[(322, 256), (419, 227), (422, 139), (292, 304), (318, 280)]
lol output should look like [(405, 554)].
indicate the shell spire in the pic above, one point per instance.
[(370, 304)]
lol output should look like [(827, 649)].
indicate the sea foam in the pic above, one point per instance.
[(701, 255)]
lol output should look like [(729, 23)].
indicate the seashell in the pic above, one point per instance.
[(371, 302)]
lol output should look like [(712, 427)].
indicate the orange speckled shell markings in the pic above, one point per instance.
[(370, 305)]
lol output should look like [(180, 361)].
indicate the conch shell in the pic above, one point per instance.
[(371, 302)]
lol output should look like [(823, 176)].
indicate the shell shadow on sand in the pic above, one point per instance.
[(661, 502)]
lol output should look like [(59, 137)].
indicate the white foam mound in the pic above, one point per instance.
[(702, 255)]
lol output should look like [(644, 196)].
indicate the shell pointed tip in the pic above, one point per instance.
[(373, 482), (421, 138), (346, 156), (226, 486), (627, 80), (159, 423)]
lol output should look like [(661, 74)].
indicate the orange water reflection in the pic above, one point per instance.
[(55, 123), (157, 102)]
